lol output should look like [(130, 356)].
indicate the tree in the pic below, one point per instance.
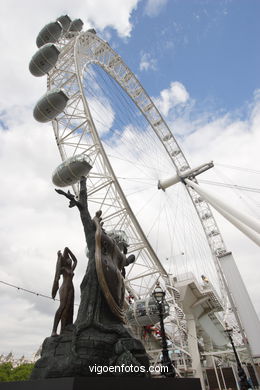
[(8, 373), (5, 372)]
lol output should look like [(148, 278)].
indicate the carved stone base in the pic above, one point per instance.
[(72, 354), (105, 383)]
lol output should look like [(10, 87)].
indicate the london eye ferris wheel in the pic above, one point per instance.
[(103, 118)]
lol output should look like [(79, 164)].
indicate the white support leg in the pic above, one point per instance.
[(255, 237), (193, 348), (243, 308), (251, 222)]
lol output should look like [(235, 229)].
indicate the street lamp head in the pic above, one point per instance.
[(228, 329), (158, 293)]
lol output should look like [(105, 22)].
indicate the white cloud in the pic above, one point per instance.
[(147, 62), (15, 78), (154, 7), (102, 114), (169, 98), (30, 209), (115, 13)]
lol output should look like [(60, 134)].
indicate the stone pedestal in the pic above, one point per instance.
[(74, 355), (102, 383)]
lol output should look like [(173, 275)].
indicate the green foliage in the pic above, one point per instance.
[(8, 373), (5, 372)]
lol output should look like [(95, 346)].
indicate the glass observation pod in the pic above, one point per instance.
[(76, 25), (71, 170), (50, 105), (44, 60), (119, 236), (49, 33), (145, 312), (65, 22), (92, 30)]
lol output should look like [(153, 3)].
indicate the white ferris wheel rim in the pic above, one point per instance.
[(104, 56)]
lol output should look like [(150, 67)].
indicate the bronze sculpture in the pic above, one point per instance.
[(107, 259), (111, 260), (99, 335), (66, 264)]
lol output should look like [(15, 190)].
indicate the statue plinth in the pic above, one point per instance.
[(69, 355), (102, 383)]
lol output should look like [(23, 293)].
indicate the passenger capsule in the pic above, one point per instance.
[(71, 170), (50, 33), (213, 233), (144, 312), (198, 200), (175, 153), (206, 216), (92, 31), (184, 168), (76, 25), (44, 60), (65, 21), (167, 137), (50, 105)]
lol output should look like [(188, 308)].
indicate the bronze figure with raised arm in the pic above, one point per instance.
[(106, 266), (66, 263)]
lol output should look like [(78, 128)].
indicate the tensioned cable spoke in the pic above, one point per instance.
[(131, 120), (234, 186), (239, 168), (121, 97)]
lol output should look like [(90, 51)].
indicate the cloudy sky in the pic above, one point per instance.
[(198, 59)]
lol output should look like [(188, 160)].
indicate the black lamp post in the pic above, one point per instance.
[(243, 382), (159, 295)]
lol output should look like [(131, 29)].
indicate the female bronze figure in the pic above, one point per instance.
[(66, 263)]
